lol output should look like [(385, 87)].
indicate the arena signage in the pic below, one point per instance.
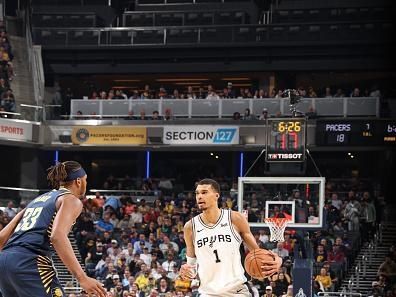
[(109, 135), (186, 135), (16, 130)]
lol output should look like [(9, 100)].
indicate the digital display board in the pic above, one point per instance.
[(352, 132), (286, 140)]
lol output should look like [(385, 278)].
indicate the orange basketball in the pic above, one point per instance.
[(254, 260)]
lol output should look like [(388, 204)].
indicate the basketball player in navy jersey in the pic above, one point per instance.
[(26, 242), (213, 241)]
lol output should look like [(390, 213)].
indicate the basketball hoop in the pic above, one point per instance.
[(277, 227)]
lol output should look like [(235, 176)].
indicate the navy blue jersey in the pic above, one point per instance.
[(34, 229)]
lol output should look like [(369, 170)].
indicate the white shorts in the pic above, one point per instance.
[(241, 291)]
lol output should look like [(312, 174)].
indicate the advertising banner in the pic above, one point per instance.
[(201, 135), (109, 135), (16, 130)]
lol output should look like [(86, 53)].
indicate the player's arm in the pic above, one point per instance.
[(242, 226), (186, 270), (69, 209), (8, 230)]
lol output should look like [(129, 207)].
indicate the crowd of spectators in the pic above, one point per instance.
[(7, 99), (228, 92), (136, 247)]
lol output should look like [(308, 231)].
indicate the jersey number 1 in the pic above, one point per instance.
[(217, 256), (29, 219)]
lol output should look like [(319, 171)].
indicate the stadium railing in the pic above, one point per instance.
[(223, 108)]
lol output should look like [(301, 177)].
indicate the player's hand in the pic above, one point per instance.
[(188, 272), (92, 286), (271, 267)]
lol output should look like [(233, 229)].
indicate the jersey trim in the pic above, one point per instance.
[(193, 229), (214, 226), (238, 238)]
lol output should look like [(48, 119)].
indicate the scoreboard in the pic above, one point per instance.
[(355, 132)]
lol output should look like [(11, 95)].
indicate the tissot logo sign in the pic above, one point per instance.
[(283, 157), (200, 135)]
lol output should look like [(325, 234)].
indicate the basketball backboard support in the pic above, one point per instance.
[(299, 198)]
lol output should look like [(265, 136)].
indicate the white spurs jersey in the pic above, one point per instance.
[(218, 256)]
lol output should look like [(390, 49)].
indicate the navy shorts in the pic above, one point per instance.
[(26, 274)]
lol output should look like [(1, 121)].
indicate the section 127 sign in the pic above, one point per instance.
[(187, 135)]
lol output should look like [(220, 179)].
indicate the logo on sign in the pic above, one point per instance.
[(224, 135), (82, 135)]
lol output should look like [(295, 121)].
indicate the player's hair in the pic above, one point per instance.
[(209, 181), (58, 173)]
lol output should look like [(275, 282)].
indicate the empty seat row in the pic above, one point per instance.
[(152, 19), (162, 2), (70, 2), (330, 14), (64, 20), (377, 32)]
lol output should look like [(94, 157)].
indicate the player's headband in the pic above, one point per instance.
[(75, 174)]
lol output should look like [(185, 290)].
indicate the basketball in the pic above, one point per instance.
[(254, 260)]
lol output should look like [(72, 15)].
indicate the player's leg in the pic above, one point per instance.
[(35, 276), (6, 288)]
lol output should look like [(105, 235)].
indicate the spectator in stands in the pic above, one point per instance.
[(264, 114), (268, 292), (340, 93), (352, 212), (212, 94), (230, 91), (9, 210), (355, 92), (201, 93), (141, 243), (104, 225), (388, 268), (163, 286), (312, 93), (190, 93), (236, 116), (176, 94), (4, 86), (332, 274), (260, 94), (248, 116), (368, 217), (84, 228), (328, 93), (168, 115), (142, 115), (336, 255), (8, 101), (324, 279), (281, 284), (320, 254), (155, 115), (280, 251)]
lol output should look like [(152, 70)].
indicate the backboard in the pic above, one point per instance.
[(301, 199)]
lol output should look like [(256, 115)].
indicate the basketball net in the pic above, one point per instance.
[(277, 227)]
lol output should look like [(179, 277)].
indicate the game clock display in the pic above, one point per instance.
[(355, 132), (285, 140)]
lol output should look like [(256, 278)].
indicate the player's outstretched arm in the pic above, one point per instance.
[(8, 230), (69, 209), (242, 226), (188, 271)]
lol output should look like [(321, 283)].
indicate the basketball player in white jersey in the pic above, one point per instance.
[(213, 241)]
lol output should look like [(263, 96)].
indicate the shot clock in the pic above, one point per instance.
[(285, 140)]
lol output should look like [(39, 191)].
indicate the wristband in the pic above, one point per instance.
[(191, 261)]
